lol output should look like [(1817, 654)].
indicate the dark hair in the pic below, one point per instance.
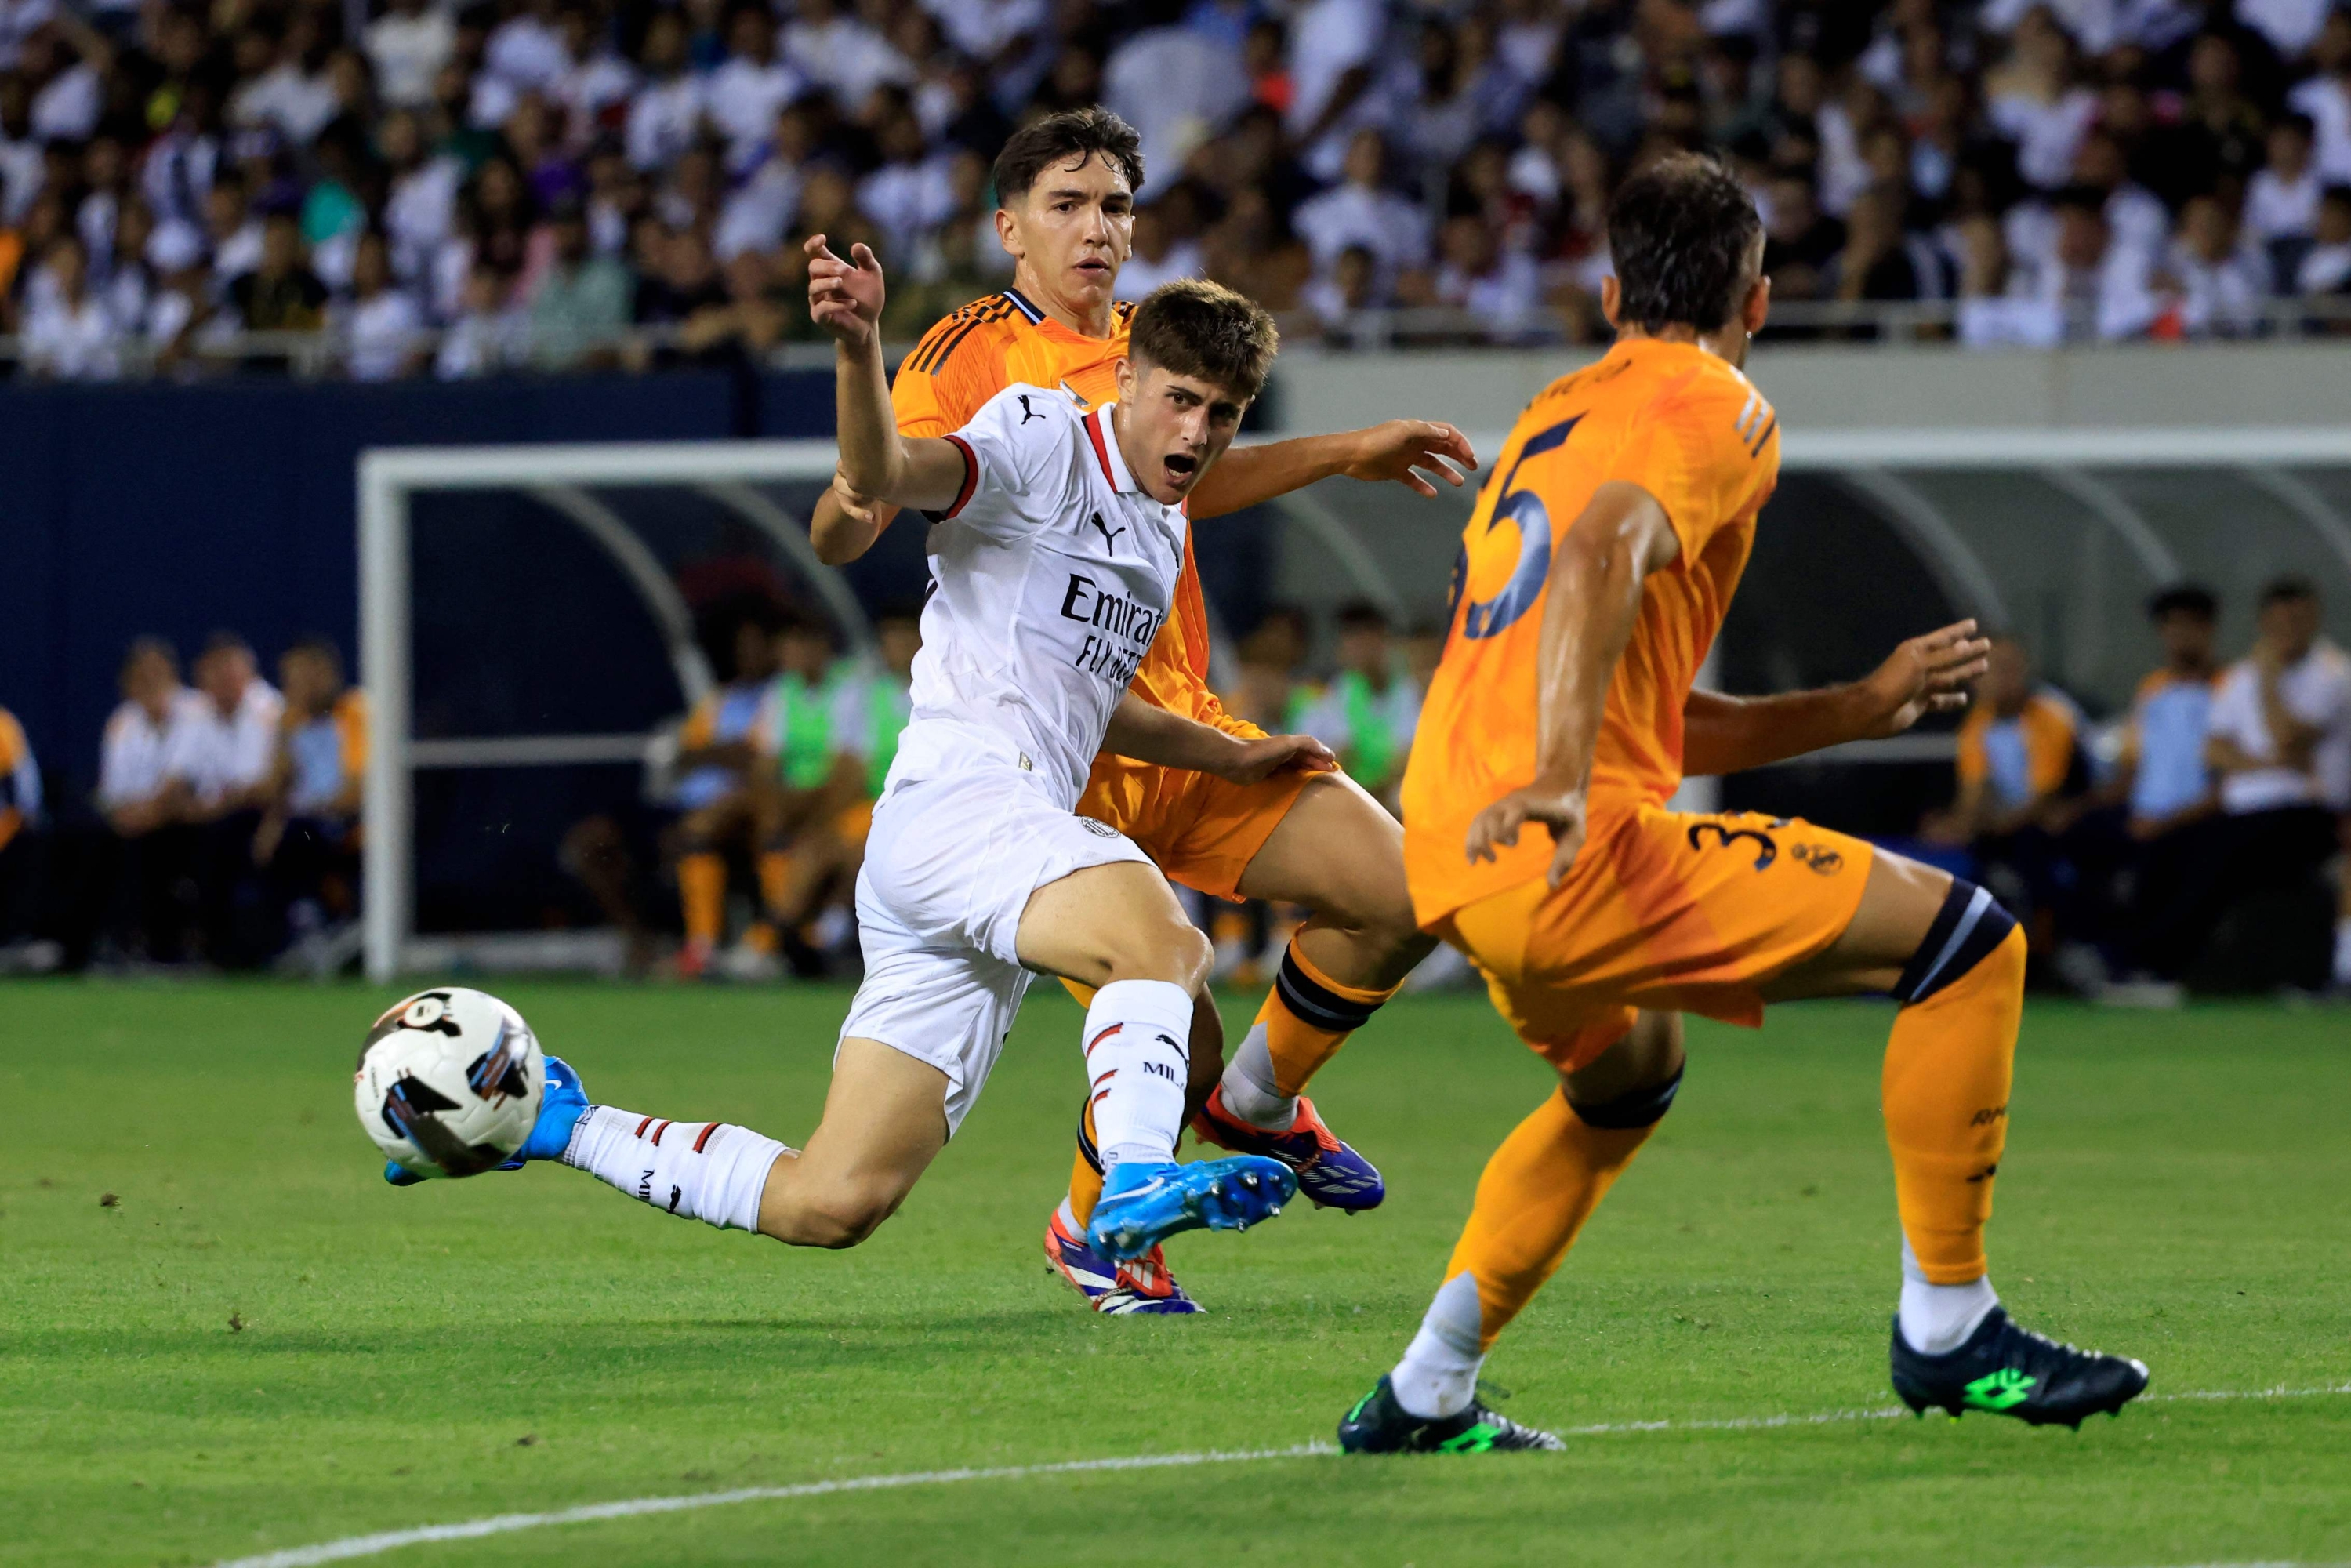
[(907, 609), (2184, 599), (226, 642), (2298, 122), (321, 647), (2292, 589), (144, 647), (1682, 232), (1072, 134), (1361, 615), (1196, 328)]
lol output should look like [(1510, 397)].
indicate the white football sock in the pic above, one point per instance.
[(1250, 1088), (1938, 1319), (1138, 1058), (2342, 951), (1438, 1374), (710, 1171)]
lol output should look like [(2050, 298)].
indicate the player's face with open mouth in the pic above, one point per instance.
[(1173, 427), (1074, 229)]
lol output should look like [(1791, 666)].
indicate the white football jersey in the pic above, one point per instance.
[(1049, 575)]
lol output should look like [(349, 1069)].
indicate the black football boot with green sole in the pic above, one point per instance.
[(1378, 1424), (2003, 1370)]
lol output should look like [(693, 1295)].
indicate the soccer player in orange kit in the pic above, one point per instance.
[(1065, 186), (1595, 572)]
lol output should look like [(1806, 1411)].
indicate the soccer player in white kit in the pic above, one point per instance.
[(1057, 536)]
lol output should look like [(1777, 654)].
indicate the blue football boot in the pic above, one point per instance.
[(1145, 1202), (559, 1110), (1330, 1172)]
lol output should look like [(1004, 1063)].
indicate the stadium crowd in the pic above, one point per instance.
[(424, 185), (2202, 836)]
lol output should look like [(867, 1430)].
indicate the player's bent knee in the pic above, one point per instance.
[(1970, 930), (1173, 950), (1645, 1106), (836, 1216)]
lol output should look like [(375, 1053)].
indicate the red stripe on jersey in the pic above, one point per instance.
[(970, 475), (1094, 429), (642, 1126), (707, 1129)]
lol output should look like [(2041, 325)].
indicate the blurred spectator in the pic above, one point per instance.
[(71, 333), (1369, 711), (2220, 288), (2325, 97), (1362, 211), (381, 326), (2020, 773), (718, 794), (581, 301), (745, 93), (2280, 742), (1177, 85), (408, 45), (281, 294), (1499, 290), (2326, 267), (488, 335), (219, 781), (154, 895), (2167, 789), (308, 836)]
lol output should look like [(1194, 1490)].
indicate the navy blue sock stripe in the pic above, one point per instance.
[(1317, 1003), (1085, 1140), (1634, 1108), (1970, 923)]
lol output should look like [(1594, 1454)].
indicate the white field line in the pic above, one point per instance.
[(353, 1546)]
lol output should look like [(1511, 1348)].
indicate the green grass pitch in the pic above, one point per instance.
[(254, 1344)]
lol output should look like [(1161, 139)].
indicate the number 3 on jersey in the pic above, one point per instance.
[(1525, 512)]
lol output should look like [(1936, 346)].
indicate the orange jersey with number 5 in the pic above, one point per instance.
[(1688, 428)]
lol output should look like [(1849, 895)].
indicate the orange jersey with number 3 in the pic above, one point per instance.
[(1688, 428)]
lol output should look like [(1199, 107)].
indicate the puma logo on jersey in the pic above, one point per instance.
[(1027, 413), (1109, 534)]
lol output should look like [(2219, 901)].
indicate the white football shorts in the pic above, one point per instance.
[(949, 867)]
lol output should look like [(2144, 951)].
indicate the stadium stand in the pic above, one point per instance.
[(382, 191)]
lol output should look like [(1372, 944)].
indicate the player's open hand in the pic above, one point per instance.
[(1925, 674), (1560, 810), (1401, 448), (844, 296), (1248, 761)]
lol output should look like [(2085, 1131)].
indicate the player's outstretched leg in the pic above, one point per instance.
[(1338, 851), (1955, 960), (1118, 928), (1536, 1193)]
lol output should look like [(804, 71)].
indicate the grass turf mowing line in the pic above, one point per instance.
[(533, 1341), (356, 1546)]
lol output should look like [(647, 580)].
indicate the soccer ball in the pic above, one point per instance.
[(449, 1082)]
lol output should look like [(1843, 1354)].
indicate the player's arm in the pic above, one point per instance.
[(1925, 674), (846, 522), (1592, 600), (845, 299), (1396, 451), (1150, 733)]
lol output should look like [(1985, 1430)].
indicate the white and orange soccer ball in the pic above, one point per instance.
[(449, 1082)]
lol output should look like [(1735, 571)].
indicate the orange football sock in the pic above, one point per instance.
[(1307, 1017), (702, 889), (1948, 1064), (776, 881), (1085, 1169), (1537, 1191)]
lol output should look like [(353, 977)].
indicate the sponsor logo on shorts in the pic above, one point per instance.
[(1986, 1117), (1820, 857)]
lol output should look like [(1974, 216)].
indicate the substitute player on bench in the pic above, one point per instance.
[(1066, 187), (1595, 574)]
